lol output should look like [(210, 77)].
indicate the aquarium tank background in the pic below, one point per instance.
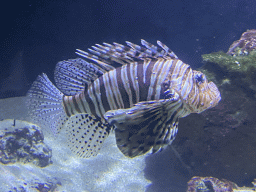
[(217, 146)]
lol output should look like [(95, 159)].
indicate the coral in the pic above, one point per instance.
[(205, 184), (23, 144), (244, 45)]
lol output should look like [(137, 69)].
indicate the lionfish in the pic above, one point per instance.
[(139, 92)]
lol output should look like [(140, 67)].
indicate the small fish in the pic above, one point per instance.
[(140, 92)]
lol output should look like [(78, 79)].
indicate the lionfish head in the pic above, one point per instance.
[(209, 95)]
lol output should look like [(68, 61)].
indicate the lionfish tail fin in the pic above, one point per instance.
[(44, 102)]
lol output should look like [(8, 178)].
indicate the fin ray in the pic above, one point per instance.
[(118, 54), (74, 75), (149, 124), (86, 135), (44, 102)]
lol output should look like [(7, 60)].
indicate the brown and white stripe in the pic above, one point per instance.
[(145, 74), (129, 84)]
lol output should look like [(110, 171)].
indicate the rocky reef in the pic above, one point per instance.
[(221, 142), (21, 141)]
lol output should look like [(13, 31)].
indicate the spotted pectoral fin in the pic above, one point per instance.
[(151, 124), (85, 135)]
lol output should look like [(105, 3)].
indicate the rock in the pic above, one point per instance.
[(21, 141), (244, 45), (50, 185)]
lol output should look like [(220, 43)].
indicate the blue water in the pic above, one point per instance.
[(49, 31)]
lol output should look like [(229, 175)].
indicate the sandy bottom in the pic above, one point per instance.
[(110, 170)]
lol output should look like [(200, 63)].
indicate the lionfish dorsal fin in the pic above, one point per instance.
[(151, 51), (118, 54), (145, 126), (74, 75)]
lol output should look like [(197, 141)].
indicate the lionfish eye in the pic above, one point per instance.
[(199, 78)]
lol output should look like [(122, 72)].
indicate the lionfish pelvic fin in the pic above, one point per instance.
[(147, 125)]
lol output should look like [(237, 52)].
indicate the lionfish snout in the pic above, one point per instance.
[(209, 96), (204, 94)]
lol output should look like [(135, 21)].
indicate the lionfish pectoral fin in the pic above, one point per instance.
[(85, 134), (74, 75), (166, 136), (146, 125)]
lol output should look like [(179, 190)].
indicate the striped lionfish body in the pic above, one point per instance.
[(141, 98)]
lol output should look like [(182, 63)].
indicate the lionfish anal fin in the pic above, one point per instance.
[(149, 124), (85, 134)]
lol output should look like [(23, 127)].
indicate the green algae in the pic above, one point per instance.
[(241, 63), (222, 68)]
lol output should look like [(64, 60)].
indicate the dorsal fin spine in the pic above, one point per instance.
[(107, 55)]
